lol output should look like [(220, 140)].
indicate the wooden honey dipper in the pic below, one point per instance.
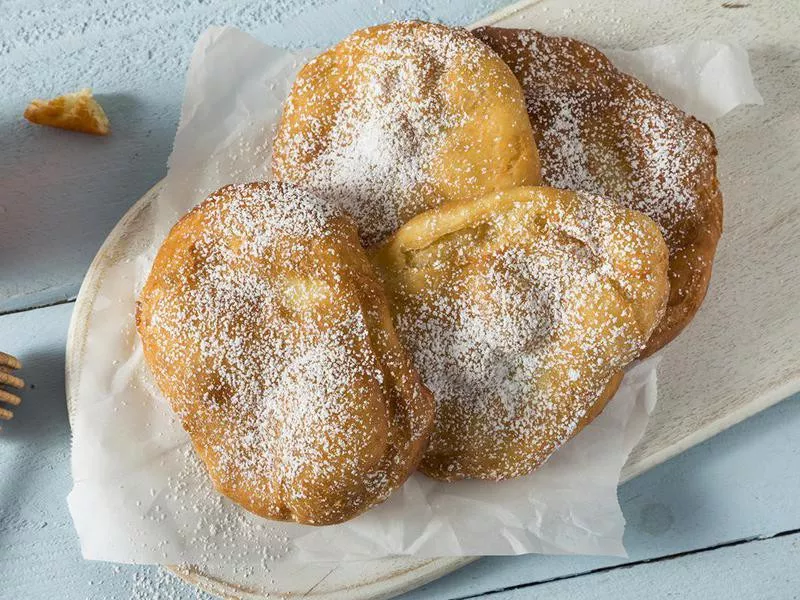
[(9, 363)]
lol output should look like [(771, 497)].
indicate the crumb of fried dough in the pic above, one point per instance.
[(78, 111)]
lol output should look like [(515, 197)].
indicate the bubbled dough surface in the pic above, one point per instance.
[(266, 328), (605, 132), (520, 310), (403, 117)]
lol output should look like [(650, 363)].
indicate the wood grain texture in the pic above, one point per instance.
[(763, 569)]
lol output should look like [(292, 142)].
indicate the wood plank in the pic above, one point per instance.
[(742, 483), (764, 569)]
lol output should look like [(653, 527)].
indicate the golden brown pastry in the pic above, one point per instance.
[(268, 331), (520, 310), (605, 132), (78, 111), (402, 117)]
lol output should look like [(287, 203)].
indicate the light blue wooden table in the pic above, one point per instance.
[(720, 521)]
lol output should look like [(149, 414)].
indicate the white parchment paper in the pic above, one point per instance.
[(139, 493)]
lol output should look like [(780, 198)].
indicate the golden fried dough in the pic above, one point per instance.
[(266, 328), (605, 132), (520, 310), (402, 117), (78, 111)]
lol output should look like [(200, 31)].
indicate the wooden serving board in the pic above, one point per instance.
[(737, 357)]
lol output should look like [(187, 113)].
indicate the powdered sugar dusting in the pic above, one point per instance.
[(258, 325), (517, 333), (392, 115), (606, 133)]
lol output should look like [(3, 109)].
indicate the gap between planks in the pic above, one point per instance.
[(599, 570), (635, 563), (38, 306)]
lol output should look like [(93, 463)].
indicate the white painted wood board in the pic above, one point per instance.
[(737, 357)]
